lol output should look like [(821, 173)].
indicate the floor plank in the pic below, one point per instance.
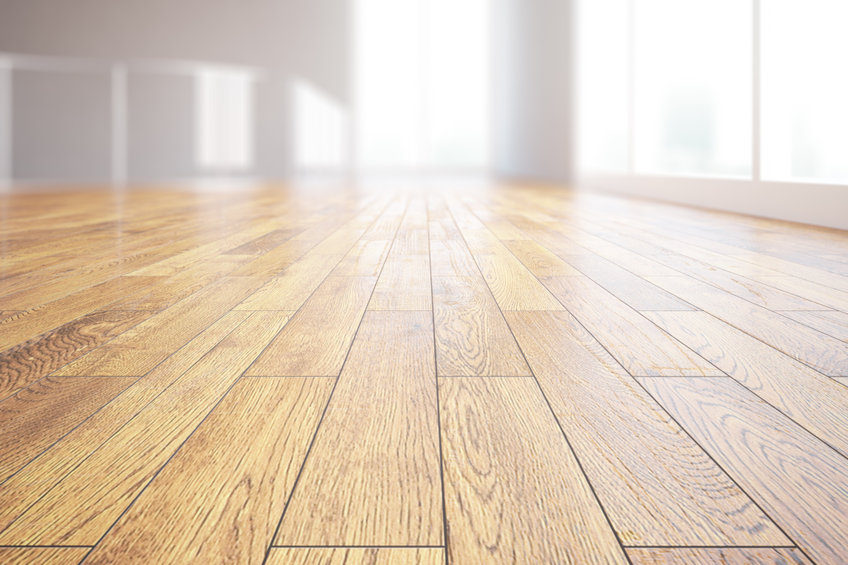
[(236, 472), (390, 440), (814, 401), (45, 471), (38, 357), (316, 341), (715, 556), (514, 492), (639, 345), (41, 555), (773, 459), (830, 322), (657, 486), (472, 338), (35, 417), (96, 492), (822, 352), (356, 556)]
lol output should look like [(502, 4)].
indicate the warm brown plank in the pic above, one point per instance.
[(383, 417), (356, 556), (827, 354), (16, 329), (513, 490), (830, 322), (657, 486), (264, 243), (140, 349), (291, 288), (35, 417), (40, 475), (316, 341), (231, 478), (451, 258), (813, 400), (716, 556), (472, 338), (365, 259), (28, 362), (797, 479), (95, 493), (640, 346), (41, 555)]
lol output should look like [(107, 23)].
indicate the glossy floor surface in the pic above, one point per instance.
[(489, 375)]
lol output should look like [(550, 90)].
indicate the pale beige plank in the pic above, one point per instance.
[(80, 509), (793, 476), (316, 341), (539, 260), (832, 323), (472, 338), (404, 284), (636, 343), (365, 259), (356, 556), (813, 400), (657, 486), (220, 498), (513, 285), (514, 492), (383, 417), (827, 354)]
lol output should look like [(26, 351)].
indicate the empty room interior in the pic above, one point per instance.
[(427, 282)]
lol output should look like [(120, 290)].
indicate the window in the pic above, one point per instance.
[(692, 87), (422, 82), (224, 128), (320, 129), (804, 90)]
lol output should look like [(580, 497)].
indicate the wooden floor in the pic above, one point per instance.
[(478, 376)]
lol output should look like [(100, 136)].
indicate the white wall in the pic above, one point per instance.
[(287, 39), (533, 114)]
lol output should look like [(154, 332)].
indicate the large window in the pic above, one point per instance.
[(749, 89), (805, 90), (421, 76)]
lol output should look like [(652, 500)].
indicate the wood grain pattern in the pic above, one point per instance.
[(39, 476), (514, 492), (96, 492), (38, 357), (822, 352), (772, 458), (657, 486), (40, 414), (316, 341), (638, 293), (513, 286), (356, 556), (716, 556), (235, 472), (387, 487), (816, 402), (41, 555), (830, 322), (472, 337), (636, 343), (154, 304), (140, 349)]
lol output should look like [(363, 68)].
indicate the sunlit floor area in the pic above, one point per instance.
[(472, 375)]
